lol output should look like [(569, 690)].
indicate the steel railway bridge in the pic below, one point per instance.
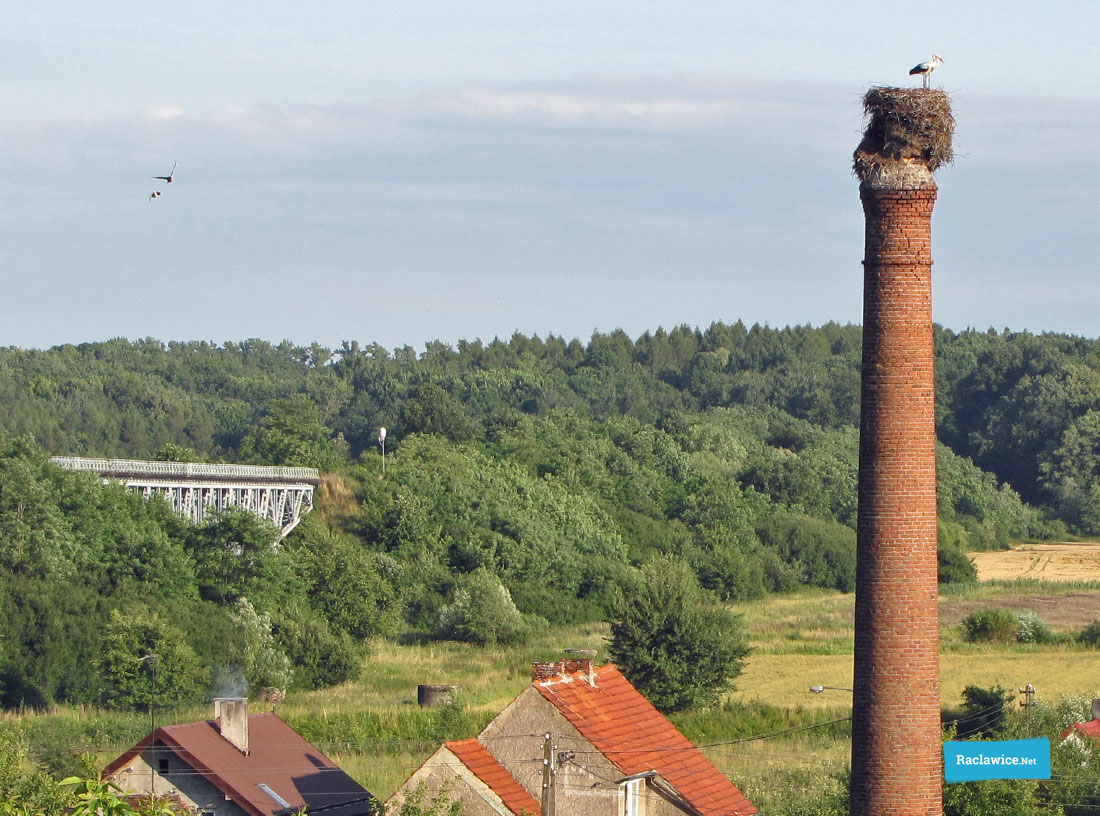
[(282, 495)]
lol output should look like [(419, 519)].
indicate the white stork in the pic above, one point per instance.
[(168, 178), (926, 68)]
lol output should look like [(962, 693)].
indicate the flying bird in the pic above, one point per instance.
[(154, 194), (926, 68), (168, 178)]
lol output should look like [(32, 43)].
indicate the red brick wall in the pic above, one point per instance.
[(896, 750)]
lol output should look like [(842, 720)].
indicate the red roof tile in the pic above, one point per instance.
[(279, 757), (625, 727), (473, 755), (1089, 729)]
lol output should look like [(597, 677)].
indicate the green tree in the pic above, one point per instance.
[(262, 662), (673, 641), (342, 580), (235, 556), (431, 410), (983, 712), (147, 662), (293, 432)]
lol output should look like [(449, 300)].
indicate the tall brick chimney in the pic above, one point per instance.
[(896, 750)]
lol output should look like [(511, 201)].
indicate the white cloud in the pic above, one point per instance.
[(162, 113)]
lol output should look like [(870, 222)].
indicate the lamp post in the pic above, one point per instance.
[(819, 689), (382, 445)]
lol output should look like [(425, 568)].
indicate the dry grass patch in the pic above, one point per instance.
[(812, 622), (784, 680)]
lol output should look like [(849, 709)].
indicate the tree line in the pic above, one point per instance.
[(527, 480)]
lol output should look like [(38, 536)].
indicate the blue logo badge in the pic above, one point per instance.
[(1000, 759)]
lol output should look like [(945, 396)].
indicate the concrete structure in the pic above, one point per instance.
[(281, 495), (896, 745), (238, 765), (606, 751)]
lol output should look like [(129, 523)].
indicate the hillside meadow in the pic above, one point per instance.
[(769, 728)]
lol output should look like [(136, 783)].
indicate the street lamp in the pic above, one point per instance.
[(819, 689), (382, 445)]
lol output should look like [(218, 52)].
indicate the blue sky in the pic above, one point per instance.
[(404, 172)]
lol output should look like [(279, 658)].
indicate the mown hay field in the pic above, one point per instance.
[(1048, 561)]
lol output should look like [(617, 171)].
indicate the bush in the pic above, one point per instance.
[(1006, 626), (991, 626), (673, 641), (482, 612), (955, 566), (1032, 629), (320, 658), (983, 713), (1090, 635), (1002, 797)]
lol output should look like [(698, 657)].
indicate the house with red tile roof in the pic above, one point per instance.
[(239, 765), (580, 741)]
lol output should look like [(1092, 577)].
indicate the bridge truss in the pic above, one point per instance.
[(281, 495)]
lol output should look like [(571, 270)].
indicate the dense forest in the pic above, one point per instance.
[(526, 479)]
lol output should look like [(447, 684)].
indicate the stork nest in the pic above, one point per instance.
[(905, 125)]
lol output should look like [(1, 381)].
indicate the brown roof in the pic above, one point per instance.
[(626, 728), (473, 755), (279, 758)]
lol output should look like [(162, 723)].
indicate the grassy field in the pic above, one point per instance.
[(375, 729)]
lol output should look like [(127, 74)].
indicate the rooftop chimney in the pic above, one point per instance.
[(560, 670), (231, 720)]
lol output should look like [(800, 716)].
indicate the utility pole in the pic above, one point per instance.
[(382, 445), (548, 774), (151, 659), (1029, 700)]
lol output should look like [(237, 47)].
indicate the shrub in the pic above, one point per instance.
[(1032, 629), (482, 612), (955, 566), (991, 626), (1090, 635), (1003, 797), (320, 657), (1006, 626), (983, 713)]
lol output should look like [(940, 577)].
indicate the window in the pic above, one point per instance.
[(162, 765)]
